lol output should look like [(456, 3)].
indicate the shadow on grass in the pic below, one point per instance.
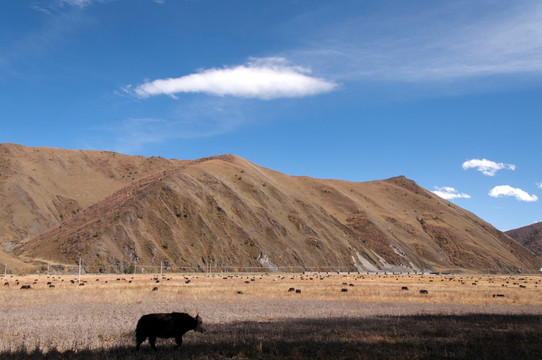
[(384, 337)]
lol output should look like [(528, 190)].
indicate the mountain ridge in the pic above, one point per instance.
[(530, 236), (231, 212)]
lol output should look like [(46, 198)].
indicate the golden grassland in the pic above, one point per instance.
[(263, 316)]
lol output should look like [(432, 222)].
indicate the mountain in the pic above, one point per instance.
[(529, 236), (41, 187), (114, 211)]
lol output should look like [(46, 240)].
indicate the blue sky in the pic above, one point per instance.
[(447, 93)]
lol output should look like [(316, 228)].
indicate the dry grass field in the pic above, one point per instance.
[(256, 316)]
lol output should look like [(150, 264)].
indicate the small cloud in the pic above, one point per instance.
[(195, 119), (79, 3), (507, 190), (263, 78), (487, 167), (449, 193), (539, 185), (40, 8)]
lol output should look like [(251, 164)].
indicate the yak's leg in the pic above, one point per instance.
[(179, 340), (139, 340), (152, 340)]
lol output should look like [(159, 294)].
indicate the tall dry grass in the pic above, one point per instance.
[(256, 316)]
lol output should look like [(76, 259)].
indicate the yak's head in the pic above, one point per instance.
[(199, 325)]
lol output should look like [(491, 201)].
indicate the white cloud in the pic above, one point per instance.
[(507, 190), (436, 42), (79, 3), (40, 8), (202, 117), (449, 193), (267, 78), (487, 167), (539, 185)]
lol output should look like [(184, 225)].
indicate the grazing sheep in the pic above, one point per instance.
[(424, 292), (165, 325)]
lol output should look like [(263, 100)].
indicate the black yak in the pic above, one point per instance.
[(165, 325)]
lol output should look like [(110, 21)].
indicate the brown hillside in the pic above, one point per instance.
[(40, 187), (230, 212), (530, 236)]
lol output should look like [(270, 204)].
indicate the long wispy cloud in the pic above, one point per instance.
[(197, 118), (50, 7), (439, 42), (487, 167), (57, 30), (78, 3), (509, 191), (265, 78), (449, 193)]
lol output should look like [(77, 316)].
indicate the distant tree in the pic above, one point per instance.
[(130, 269)]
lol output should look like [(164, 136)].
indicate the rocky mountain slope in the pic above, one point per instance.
[(114, 211), (41, 187), (530, 236)]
